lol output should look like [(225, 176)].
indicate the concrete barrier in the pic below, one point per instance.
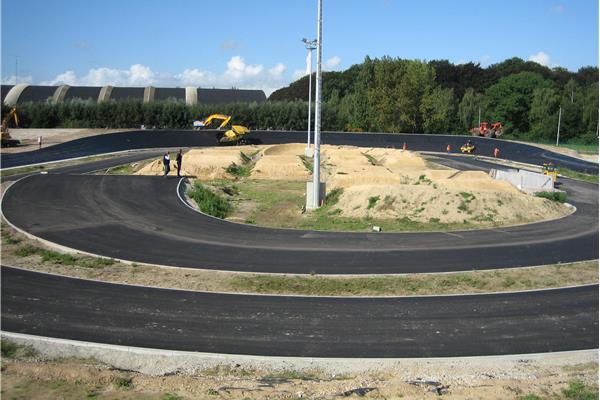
[(524, 180)]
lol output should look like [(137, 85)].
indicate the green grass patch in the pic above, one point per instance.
[(560, 197), (372, 160), (372, 202), (244, 169), (240, 171), (54, 257), (25, 170), (464, 282), (577, 390), (209, 202), (569, 173), (9, 349), (333, 197), (307, 162), (125, 169), (123, 382)]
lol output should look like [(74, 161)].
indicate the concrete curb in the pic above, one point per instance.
[(161, 362)]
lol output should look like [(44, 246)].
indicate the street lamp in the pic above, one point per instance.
[(310, 46), (317, 156)]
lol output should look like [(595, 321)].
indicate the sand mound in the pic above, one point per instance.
[(381, 183), (281, 162), (205, 163), (429, 203)]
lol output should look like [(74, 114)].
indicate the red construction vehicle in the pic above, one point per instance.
[(488, 130)]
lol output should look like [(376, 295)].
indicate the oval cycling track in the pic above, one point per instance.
[(76, 210)]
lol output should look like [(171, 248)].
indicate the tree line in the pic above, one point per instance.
[(378, 95), (396, 95)]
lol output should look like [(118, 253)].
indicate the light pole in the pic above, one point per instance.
[(558, 129), (317, 156), (310, 46)]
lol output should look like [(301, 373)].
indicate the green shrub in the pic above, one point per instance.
[(560, 197), (372, 201), (210, 203), (333, 197)]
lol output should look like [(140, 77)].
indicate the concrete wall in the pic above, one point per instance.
[(524, 180)]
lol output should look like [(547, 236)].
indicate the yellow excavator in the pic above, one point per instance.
[(233, 134), (8, 141)]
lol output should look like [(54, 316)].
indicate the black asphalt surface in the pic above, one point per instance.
[(92, 166), (147, 139), (131, 217), (141, 219), (530, 322)]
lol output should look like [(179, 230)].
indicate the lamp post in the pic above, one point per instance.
[(310, 46), (317, 156)]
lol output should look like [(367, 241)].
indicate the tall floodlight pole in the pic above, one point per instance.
[(558, 129), (310, 46), (317, 156)]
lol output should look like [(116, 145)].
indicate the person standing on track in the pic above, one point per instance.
[(167, 163), (178, 165)]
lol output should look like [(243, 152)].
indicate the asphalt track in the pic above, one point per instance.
[(147, 139), (79, 209), (98, 214), (447, 326)]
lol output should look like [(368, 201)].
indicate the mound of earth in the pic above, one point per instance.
[(380, 183)]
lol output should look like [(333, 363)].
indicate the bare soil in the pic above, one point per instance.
[(32, 378)]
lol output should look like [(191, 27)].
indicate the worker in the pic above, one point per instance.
[(178, 165), (448, 148), (167, 163), (496, 152)]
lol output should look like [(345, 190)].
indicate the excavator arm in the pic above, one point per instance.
[(11, 114), (218, 117)]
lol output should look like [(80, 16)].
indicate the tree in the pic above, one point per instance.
[(439, 111), (509, 100), (468, 109), (543, 115)]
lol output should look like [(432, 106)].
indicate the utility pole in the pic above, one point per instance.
[(558, 129), (479, 121), (16, 70), (310, 46), (317, 155)]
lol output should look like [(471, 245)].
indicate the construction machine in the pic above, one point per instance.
[(468, 148), (7, 140), (549, 169), (488, 130), (232, 134)]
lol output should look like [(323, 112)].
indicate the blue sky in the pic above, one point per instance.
[(256, 44)]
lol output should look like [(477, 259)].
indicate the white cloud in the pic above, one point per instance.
[(10, 80), (542, 59), (237, 74), (333, 63), (277, 71), (237, 68), (297, 74), (485, 61), (557, 8)]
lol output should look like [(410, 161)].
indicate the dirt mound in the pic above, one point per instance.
[(380, 183), (281, 162)]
